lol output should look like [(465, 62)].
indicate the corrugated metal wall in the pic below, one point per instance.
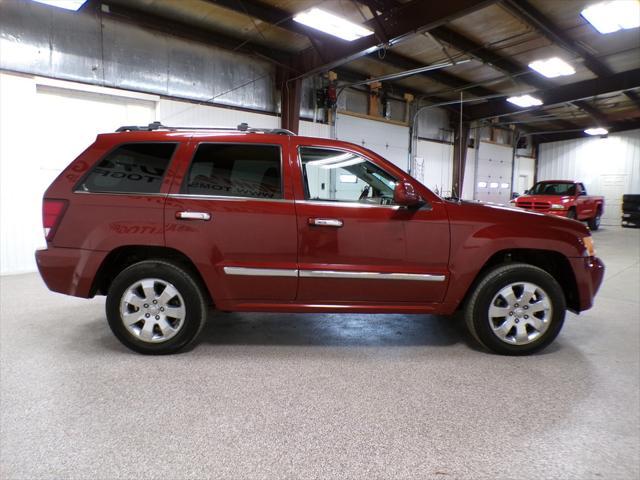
[(85, 47), (607, 166)]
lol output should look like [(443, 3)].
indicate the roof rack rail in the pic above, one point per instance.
[(243, 127)]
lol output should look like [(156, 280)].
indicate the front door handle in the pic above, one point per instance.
[(193, 216), (326, 222)]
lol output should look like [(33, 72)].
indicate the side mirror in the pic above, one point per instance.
[(405, 195)]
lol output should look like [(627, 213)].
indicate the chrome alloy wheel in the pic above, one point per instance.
[(152, 310), (520, 313)]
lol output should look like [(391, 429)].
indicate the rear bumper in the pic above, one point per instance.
[(69, 270), (589, 272)]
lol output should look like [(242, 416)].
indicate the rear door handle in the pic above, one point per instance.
[(326, 222), (193, 216)]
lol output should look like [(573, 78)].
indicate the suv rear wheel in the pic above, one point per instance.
[(516, 309), (155, 307)]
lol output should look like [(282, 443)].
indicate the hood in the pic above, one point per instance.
[(506, 215)]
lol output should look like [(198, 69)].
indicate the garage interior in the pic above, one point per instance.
[(324, 396)]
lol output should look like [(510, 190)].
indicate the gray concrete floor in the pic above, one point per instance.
[(321, 396)]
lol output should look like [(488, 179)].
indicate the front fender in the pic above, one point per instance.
[(479, 231)]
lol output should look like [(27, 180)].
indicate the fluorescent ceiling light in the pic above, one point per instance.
[(552, 67), (66, 4), (332, 24), (596, 131), (608, 17), (525, 101)]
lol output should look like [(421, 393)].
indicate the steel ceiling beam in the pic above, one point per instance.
[(559, 136), (533, 17), (571, 93), (186, 30), (399, 23), (283, 19), (506, 66)]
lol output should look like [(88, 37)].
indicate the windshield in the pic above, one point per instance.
[(553, 188)]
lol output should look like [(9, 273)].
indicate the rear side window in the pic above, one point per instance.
[(131, 168), (235, 170)]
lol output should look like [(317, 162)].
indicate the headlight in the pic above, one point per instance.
[(588, 244), (557, 206)]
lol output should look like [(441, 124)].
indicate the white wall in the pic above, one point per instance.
[(45, 124), (43, 128), (607, 166), (524, 173), (434, 167), (386, 139)]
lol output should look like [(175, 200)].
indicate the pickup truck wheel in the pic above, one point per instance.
[(516, 309), (155, 307), (594, 223)]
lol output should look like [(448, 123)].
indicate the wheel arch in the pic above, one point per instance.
[(554, 263), (122, 257)]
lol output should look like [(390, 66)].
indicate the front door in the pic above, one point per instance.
[(231, 211), (355, 244)]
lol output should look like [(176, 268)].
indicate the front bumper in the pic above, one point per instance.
[(69, 270), (589, 272), (557, 213)]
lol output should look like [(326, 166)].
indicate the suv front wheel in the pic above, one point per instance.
[(155, 307), (516, 309)]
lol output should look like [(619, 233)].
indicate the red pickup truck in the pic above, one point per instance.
[(168, 222), (564, 198)]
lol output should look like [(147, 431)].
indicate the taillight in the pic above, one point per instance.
[(52, 211)]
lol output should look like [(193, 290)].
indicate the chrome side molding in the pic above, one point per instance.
[(261, 272), (420, 277), (281, 272)]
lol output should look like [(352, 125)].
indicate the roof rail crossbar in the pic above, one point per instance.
[(243, 127)]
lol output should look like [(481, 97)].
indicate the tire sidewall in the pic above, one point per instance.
[(487, 291), (193, 300)]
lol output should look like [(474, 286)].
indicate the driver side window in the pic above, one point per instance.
[(340, 176)]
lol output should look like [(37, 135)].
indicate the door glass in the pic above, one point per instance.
[(339, 176), (237, 170)]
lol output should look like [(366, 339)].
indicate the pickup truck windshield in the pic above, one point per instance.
[(553, 188)]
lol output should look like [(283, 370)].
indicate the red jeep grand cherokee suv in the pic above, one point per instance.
[(166, 222)]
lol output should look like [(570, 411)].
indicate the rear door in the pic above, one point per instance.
[(584, 204), (231, 210), (355, 245)]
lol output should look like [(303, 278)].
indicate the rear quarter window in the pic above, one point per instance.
[(235, 170), (130, 168)]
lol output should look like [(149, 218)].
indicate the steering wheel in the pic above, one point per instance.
[(364, 194)]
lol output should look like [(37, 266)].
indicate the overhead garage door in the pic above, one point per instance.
[(386, 139), (493, 178), (61, 125)]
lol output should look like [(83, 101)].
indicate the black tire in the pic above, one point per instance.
[(571, 213), (195, 306), (477, 307), (594, 223)]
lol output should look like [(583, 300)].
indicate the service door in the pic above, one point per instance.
[(353, 243), (231, 211)]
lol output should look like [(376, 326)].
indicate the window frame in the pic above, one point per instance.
[(338, 203), (78, 186), (185, 179)]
